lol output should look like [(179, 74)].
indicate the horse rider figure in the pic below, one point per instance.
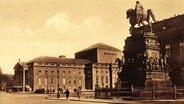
[(139, 12)]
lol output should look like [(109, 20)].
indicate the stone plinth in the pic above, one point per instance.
[(157, 79)]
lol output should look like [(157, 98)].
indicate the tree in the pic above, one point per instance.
[(6, 80)]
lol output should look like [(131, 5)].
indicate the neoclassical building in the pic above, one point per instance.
[(51, 73), (89, 68)]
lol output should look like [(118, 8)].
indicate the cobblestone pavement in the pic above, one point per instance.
[(23, 98)]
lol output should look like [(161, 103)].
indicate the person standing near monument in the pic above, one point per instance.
[(67, 93), (79, 92), (139, 12)]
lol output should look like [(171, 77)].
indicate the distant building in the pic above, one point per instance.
[(102, 56), (99, 53), (18, 70), (44, 73), (89, 69)]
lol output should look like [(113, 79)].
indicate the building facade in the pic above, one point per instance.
[(99, 53), (98, 73), (51, 73), (18, 77), (89, 69)]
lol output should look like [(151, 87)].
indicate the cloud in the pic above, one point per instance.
[(60, 28), (59, 36)]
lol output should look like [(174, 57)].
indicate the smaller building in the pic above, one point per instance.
[(18, 70)]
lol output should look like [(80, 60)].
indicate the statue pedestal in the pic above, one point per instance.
[(157, 79)]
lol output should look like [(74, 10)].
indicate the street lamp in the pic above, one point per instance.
[(110, 74), (58, 94), (24, 79), (47, 81)]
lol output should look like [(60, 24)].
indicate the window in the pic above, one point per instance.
[(51, 63), (89, 72), (182, 49), (97, 80), (168, 50), (68, 71), (64, 81), (52, 80), (80, 82), (52, 71), (45, 63), (102, 79), (75, 82), (69, 82), (106, 79), (40, 71), (63, 71), (45, 81), (39, 81)]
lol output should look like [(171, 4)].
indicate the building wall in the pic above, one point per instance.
[(18, 78), (101, 75), (106, 56), (97, 73), (88, 54), (70, 76)]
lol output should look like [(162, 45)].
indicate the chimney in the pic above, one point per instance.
[(62, 56)]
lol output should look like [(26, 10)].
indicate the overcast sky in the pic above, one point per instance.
[(32, 28)]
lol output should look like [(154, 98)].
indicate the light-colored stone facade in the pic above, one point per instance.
[(88, 69), (44, 74), (102, 56), (101, 75)]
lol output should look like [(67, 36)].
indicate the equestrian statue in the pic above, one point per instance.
[(138, 16)]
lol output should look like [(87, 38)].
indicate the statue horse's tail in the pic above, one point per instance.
[(150, 13)]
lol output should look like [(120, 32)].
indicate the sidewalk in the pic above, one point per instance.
[(118, 100), (83, 99)]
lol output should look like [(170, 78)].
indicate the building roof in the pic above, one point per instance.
[(46, 59), (20, 66), (100, 46)]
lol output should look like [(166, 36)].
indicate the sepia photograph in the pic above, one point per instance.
[(91, 52)]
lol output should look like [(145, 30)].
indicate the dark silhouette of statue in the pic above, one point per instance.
[(138, 15), (139, 12)]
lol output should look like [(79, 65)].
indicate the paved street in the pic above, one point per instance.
[(20, 98)]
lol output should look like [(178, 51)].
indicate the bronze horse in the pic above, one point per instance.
[(131, 14)]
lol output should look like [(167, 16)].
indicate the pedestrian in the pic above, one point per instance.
[(67, 92), (79, 92)]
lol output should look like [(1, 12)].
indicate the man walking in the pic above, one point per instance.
[(79, 92), (67, 94)]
